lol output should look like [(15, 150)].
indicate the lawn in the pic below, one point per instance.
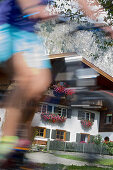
[(72, 167), (106, 162), (71, 157)]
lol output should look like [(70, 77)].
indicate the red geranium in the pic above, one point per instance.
[(52, 117), (86, 123)]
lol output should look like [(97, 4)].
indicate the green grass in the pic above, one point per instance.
[(71, 157), (106, 162), (72, 167)]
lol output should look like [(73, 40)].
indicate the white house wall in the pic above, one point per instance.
[(63, 126), (71, 125), (107, 134), (2, 116), (76, 125)]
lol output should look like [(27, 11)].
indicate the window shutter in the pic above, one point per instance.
[(78, 137), (92, 116), (53, 135), (47, 133), (69, 112), (80, 113), (67, 136), (91, 138)]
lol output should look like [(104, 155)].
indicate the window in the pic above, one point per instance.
[(56, 109), (108, 118), (84, 137), (61, 135), (60, 111), (44, 108), (39, 108), (87, 116), (40, 132), (49, 109), (84, 115), (64, 112)]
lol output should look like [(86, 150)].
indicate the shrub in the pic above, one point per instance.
[(97, 139), (109, 145)]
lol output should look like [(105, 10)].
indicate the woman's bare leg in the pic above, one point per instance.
[(32, 83)]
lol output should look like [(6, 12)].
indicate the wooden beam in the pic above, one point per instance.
[(97, 69), (62, 55)]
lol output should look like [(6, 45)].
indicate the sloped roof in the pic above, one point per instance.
[(85, 61)]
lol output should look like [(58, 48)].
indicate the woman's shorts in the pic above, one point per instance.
[(14, 40)]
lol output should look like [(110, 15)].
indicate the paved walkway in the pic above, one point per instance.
[(40, 157)]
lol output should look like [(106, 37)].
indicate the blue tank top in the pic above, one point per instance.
[(10, 12)]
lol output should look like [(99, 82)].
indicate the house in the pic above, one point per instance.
[(92, 101)]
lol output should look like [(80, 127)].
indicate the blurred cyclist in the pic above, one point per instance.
[(20, 50), (22, 54)]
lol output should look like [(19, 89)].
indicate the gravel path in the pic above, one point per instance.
[(41, 157)]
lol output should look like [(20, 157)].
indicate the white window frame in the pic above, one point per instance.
[(108, 115), (42, 107), (85, 112), (53, 108), (62, 110), (86, 137)]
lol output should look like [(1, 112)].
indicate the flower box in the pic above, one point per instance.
[(52, 118), (86, 123)]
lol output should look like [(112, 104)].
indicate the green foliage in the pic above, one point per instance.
[(111, 150), (73, 167), (109, 146), (106, 162), (72, 157), (102, 161), (102, 43), (107, 4), (65, 167), (97, 139)]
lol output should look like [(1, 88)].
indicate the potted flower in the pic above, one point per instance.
[(86, 123), (59, 90), (52, 118)]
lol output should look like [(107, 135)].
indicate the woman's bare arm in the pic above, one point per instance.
[(95, 11), (37, 11), (24, 4)]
